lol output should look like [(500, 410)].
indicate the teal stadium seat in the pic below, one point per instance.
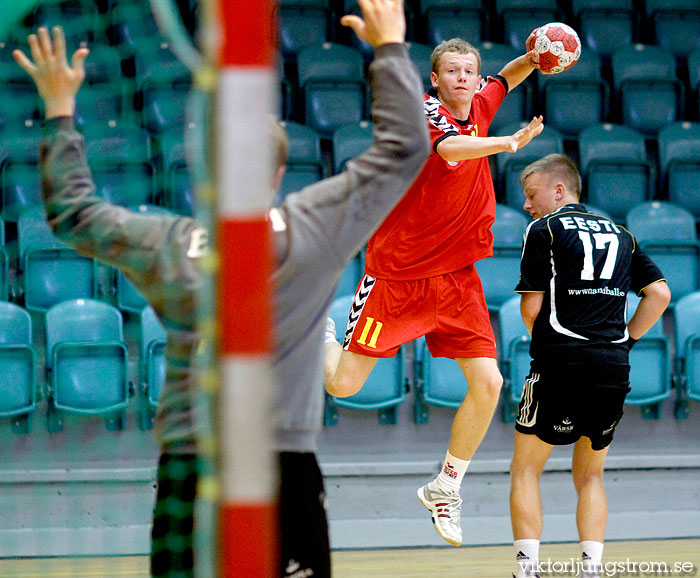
[(420, 56), (675, 25), (4, 265), (333, 86), (302, 22), (438, 381), (649, 94), (650, 367), (305, 164), (18, 363), (352, 7), (132, 28), (694, 78), (87, 362), (384, 389), (515, 355), (576, 98), (686, 322), (51, 272), (679, 165), (499, 274), (351, 276), (614, 167), (152, 365), (349, 141), (667, 234), (510, 165), (520, 17), (445, 19), (80, 21), (604, 26), (178, 192)]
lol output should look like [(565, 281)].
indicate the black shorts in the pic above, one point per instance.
[(559, 406)]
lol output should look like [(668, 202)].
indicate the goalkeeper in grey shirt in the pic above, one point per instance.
[(316, 232)]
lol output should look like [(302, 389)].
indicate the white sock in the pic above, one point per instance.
[(527, 555), (450, 477), (591, 557)]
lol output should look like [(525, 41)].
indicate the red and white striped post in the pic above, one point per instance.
[(247, 461)]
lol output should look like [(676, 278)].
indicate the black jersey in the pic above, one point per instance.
[(585, 265)]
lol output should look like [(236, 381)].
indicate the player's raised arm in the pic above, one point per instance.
[(56, 80), (518, 69)]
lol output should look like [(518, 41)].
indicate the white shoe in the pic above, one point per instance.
[(446, 510), (330, 331)]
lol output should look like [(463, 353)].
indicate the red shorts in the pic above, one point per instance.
[(450, 310)]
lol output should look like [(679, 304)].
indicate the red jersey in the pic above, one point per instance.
[(443, 223)]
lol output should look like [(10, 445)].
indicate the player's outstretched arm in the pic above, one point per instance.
[(56, 80), (382, 22), (464, 147)]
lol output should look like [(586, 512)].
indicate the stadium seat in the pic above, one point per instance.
[(577, 97), (21, 188), (4, 265), (650, 366), (499, 274), (350, 278), (438, 381), (675, 25), (667, 234), (694, 78), (516, 105), (19, 102), (157, 64), (120, 159), (164, 106), (679, 165), (18, 366), (520, 17), (509, 190), (515, 355), (384, 389), (87, 362), (51, 271), (420, 56), (614, 167), (445, 19), (349, 141), (333, 86), (686, 322), (133, 28), (305, 164), (152, 365), (301, 23), (604, 26), (649, 93), (178, 191)]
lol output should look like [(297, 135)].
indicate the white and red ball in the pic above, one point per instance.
[(557, 47)]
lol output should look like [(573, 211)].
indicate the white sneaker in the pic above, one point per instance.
[(446, 510), (330, 331)]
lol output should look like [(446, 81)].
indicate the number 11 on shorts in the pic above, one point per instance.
[(375, 334)]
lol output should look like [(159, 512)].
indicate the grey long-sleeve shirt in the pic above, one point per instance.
[(316, 232)]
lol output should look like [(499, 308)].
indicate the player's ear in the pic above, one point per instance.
[(433, 79)]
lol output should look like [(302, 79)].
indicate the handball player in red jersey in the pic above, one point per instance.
[(420, 277)]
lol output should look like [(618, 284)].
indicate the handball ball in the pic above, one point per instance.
[(557, 47)]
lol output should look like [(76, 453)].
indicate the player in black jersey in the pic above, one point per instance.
[(576, 271)]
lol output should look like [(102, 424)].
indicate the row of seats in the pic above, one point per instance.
[(129, 167), (85, 369), (440, 382), (327, 87), (603, 25), (617, 170)]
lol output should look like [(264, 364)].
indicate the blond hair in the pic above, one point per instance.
[(454, 45), (558, 167)]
